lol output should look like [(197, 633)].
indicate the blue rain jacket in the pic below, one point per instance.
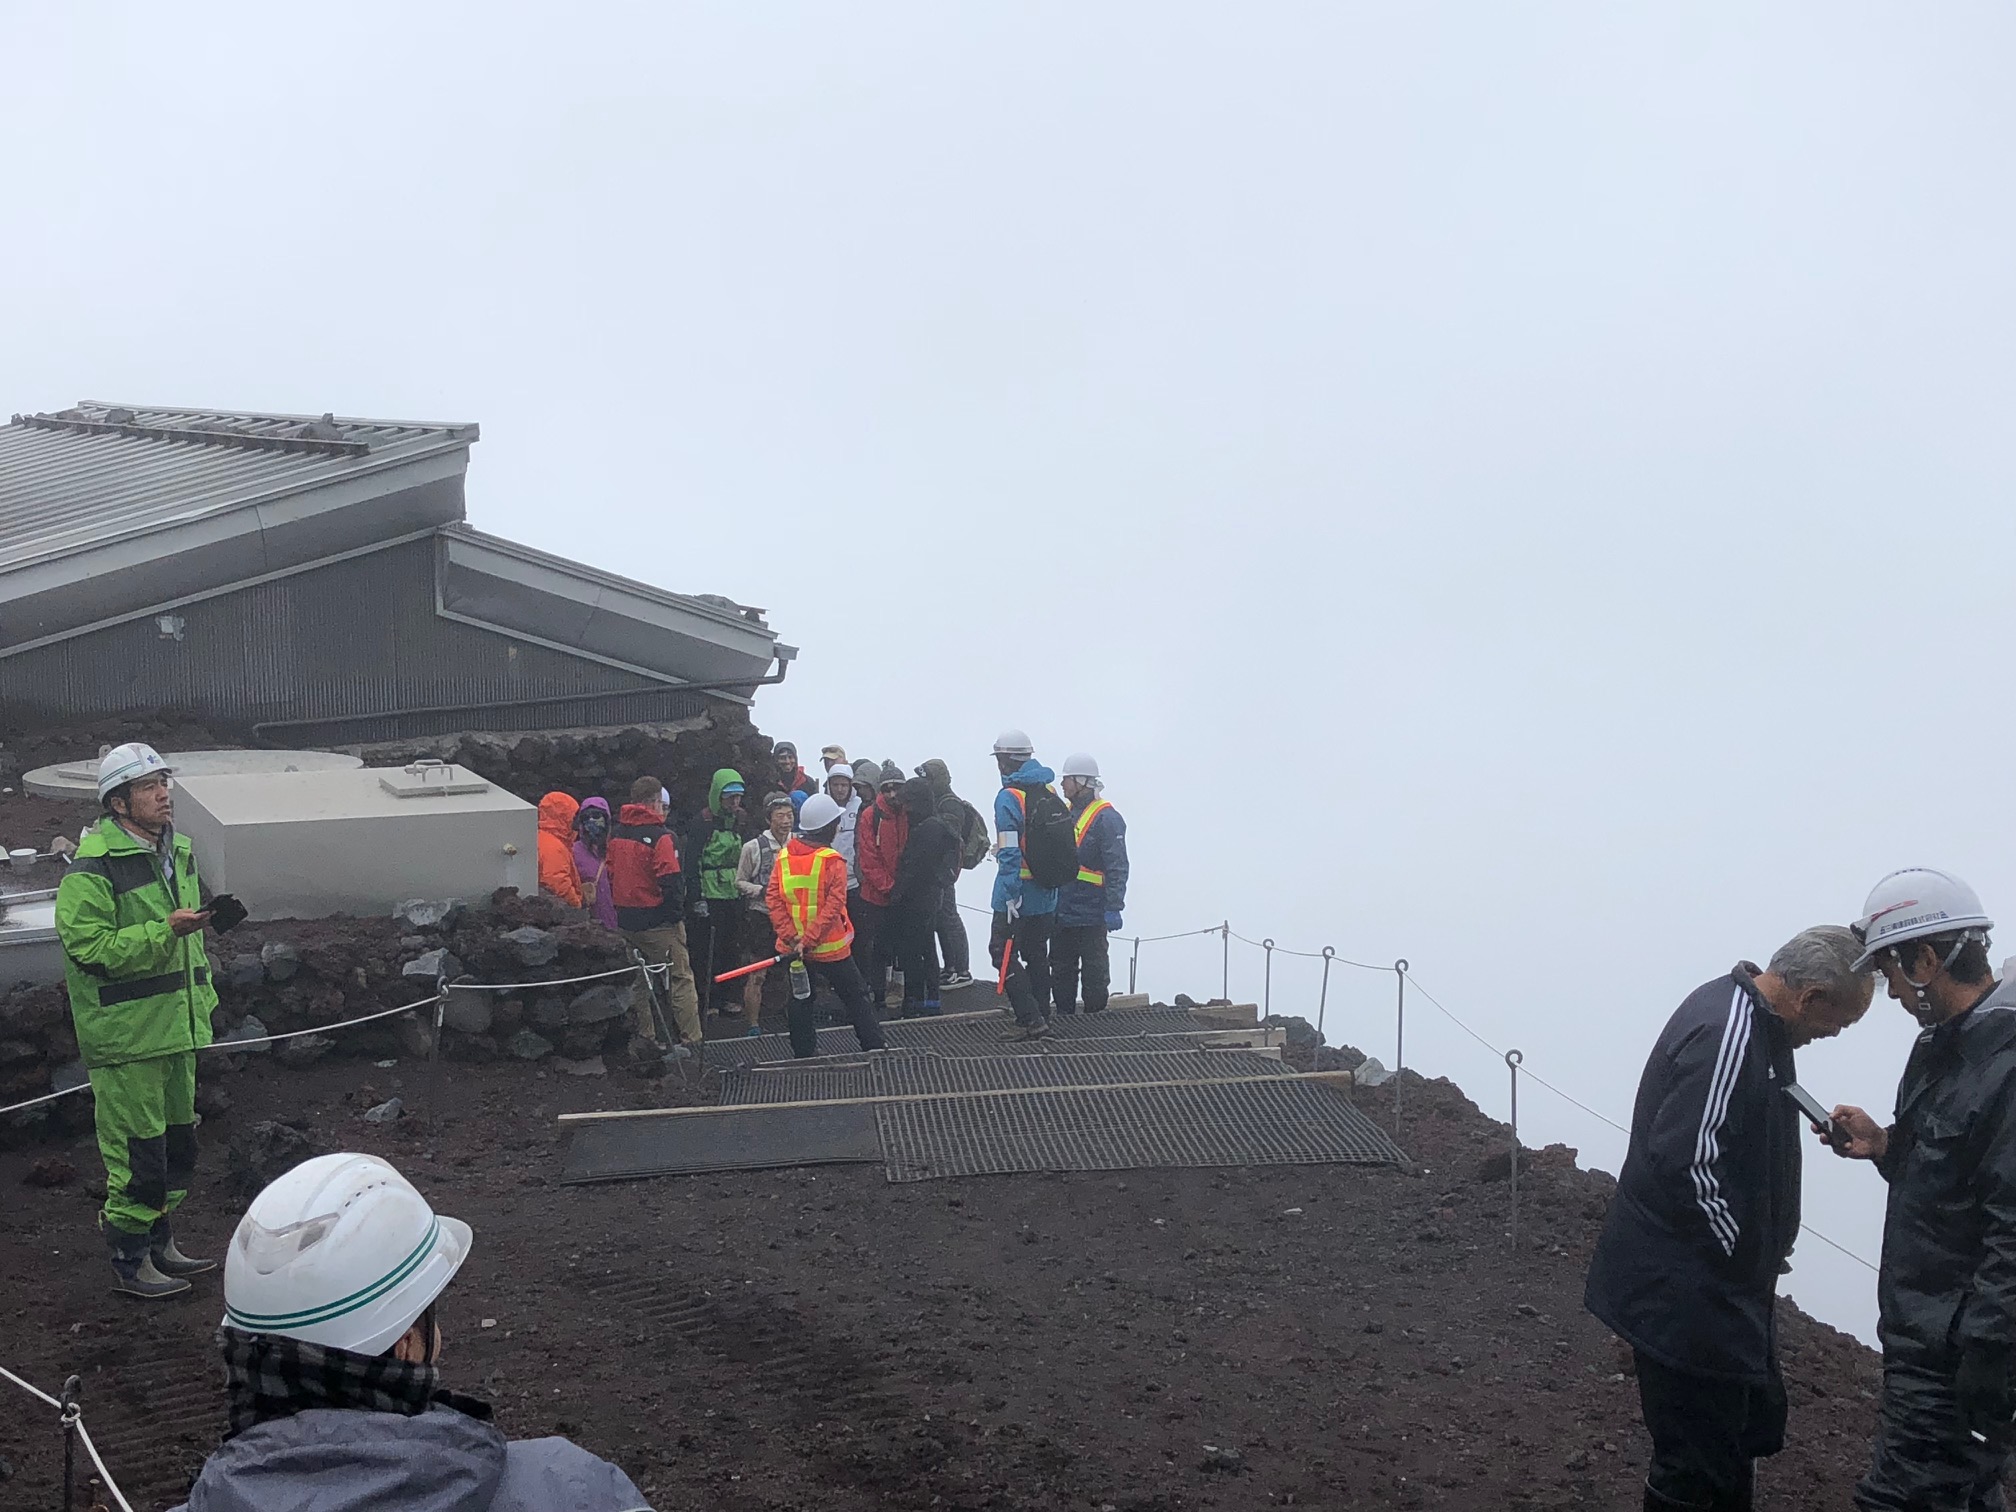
[(1008, 881)]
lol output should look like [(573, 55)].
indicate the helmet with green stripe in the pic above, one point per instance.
[(342, 1251)]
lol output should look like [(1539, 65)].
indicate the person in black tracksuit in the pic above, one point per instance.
[(1706, 1212), (1946, 1293)]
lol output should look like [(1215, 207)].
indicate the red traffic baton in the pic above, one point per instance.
[(742, 971)]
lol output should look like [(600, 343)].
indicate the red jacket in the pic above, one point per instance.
[(643, 864), (879, 838)]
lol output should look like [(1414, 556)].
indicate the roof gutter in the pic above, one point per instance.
[(785, 656)]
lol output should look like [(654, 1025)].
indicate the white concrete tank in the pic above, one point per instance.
[(79, 779), (29, 948), (303, 845)]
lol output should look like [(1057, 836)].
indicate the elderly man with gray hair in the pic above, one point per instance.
[(1706, 1212)]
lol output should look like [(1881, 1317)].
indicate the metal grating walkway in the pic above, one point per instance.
[(1124, 1128), (980, 1035), (901, 1073)]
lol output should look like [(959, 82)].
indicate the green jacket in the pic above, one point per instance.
[(137, 991), (713, 847)]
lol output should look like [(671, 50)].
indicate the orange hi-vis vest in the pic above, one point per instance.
[(1092, 811), (800, 886), (1022, 803)]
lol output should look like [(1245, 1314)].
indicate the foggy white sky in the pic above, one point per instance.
[(1525, 488)]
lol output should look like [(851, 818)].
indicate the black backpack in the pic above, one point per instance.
[(1049, 849)]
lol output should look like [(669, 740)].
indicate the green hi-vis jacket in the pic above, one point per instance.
[(137, 990)]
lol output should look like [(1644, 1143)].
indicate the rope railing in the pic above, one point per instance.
[(70, 1418)]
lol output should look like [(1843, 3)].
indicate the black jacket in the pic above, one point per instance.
[(1949, 1233), (1707, 1207), (929, 862)]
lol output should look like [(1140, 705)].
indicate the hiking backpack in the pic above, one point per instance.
[(1049, 849)]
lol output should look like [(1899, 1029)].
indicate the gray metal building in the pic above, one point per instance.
[(315, 578)]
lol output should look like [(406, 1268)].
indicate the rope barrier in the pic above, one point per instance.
[(1805, 1228), (1308, 955), (599, 976), (72, 1419)]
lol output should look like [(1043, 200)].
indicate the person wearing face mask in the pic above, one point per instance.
[(591, 855), (1946, 1291), (332, 1349), (1706, 1211)]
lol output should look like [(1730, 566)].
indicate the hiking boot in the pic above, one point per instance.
[(1024, 1032), (168, 1257), (139, 1278)]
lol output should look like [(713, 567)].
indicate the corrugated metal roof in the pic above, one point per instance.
[(97, 472)]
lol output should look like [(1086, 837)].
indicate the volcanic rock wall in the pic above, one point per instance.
[(289, 975)]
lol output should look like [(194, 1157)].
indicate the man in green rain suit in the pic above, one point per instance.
[(130, 915)]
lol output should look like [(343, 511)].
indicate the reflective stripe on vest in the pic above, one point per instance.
[(1092, 811), (1022, 834), (801, 899)]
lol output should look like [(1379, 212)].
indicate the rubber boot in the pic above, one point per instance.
[(133, 1268), (168, 1257), (1657, 1502)]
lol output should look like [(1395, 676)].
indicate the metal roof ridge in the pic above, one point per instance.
[(692, 603), (451, 426)]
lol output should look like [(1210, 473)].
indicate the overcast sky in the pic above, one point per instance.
[(1525, 488)]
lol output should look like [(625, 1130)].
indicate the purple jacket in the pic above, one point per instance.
[(595, 879)]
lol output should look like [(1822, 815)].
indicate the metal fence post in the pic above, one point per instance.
[(1225, 962), (1133, 965), (71, 1413), (1267, 981), (1399, 1039), (1323, 994), (1512, 1060), (434, 1056)]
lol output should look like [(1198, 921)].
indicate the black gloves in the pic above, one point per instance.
[(1983, 1389)]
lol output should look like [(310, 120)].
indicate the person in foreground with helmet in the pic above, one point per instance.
[(1089, 907), (130, 915), (1025, 911), (332, 1350), (1946, 1292), (807, 898), (1706, 1211)]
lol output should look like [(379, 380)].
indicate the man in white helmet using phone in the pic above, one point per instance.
[(1946, 1293), (130, 915), (332, 1350)]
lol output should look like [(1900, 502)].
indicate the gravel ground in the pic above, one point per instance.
[(1137, 1342)]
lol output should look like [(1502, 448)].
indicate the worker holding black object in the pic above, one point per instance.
[(1946, 1293), (1706, 1212), (130, 915)]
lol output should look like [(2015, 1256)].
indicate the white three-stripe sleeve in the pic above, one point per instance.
[(1714, 1114)]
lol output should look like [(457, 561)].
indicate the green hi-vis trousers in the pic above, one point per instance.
[(147, 1136)]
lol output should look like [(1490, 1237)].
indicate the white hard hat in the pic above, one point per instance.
[(818, 812), (127, 763), (1080, 765), (341, 1252), (1013, 743), (1914, 904), (840, 769)]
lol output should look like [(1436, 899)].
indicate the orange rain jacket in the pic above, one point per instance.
[(557, 873)]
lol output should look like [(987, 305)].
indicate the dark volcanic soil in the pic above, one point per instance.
[(1141, 1342)]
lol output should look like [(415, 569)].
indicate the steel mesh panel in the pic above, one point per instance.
[(976, 1036), (907, 1073), (1126, 1128)]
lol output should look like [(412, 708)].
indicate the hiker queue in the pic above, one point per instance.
[(1707, 1209), (852, 877), (330, 1341)]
